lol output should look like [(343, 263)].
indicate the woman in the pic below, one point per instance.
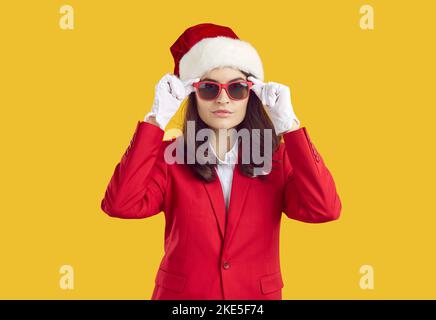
[(222, 219)]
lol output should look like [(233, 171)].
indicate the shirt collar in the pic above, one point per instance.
[(230, 157)]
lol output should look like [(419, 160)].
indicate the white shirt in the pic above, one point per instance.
[(225, 168)]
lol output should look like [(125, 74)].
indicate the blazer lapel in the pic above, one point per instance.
[(216, 198), (240, 186)]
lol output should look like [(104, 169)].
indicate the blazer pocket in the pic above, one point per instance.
[(170, 280), (271, 283)]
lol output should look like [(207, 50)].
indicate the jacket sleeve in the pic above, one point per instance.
[(137, 187), (310, 192)]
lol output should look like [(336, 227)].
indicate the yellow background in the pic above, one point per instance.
[(70, 101)]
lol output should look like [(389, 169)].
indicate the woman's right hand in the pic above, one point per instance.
[(170, 91)]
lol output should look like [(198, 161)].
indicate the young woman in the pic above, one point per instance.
[(223, 214)]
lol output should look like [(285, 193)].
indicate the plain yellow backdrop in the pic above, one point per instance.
[(70, 101)]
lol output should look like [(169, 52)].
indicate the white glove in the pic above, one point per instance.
[(170, 91), (277, 98)]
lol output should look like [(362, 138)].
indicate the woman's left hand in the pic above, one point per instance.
[(277, 98)]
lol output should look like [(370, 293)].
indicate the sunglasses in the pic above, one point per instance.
[(236, 90)]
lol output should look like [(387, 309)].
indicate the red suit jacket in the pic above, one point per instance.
[(211, 254)]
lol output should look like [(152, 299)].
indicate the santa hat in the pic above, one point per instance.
[(207, 46)]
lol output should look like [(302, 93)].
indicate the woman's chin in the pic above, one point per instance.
[(222, 124)]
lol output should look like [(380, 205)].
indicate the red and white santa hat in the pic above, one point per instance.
[(206, 46)]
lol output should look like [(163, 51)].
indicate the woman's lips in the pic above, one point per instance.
[(222, 113)]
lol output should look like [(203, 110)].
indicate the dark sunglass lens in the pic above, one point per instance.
[(208, 90), (238, 90)]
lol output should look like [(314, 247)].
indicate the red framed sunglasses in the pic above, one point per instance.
[(236, 90)]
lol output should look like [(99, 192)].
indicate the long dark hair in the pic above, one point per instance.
[(255, 118)]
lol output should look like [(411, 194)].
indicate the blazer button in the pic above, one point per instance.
[(226, 265)]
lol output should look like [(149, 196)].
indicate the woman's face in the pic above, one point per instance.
[(237, 108)]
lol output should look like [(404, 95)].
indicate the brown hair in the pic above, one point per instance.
[(255, 118)]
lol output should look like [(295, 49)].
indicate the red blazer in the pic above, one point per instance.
[(211, 254)]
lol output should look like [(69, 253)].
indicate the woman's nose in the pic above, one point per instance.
[(223, 97)]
